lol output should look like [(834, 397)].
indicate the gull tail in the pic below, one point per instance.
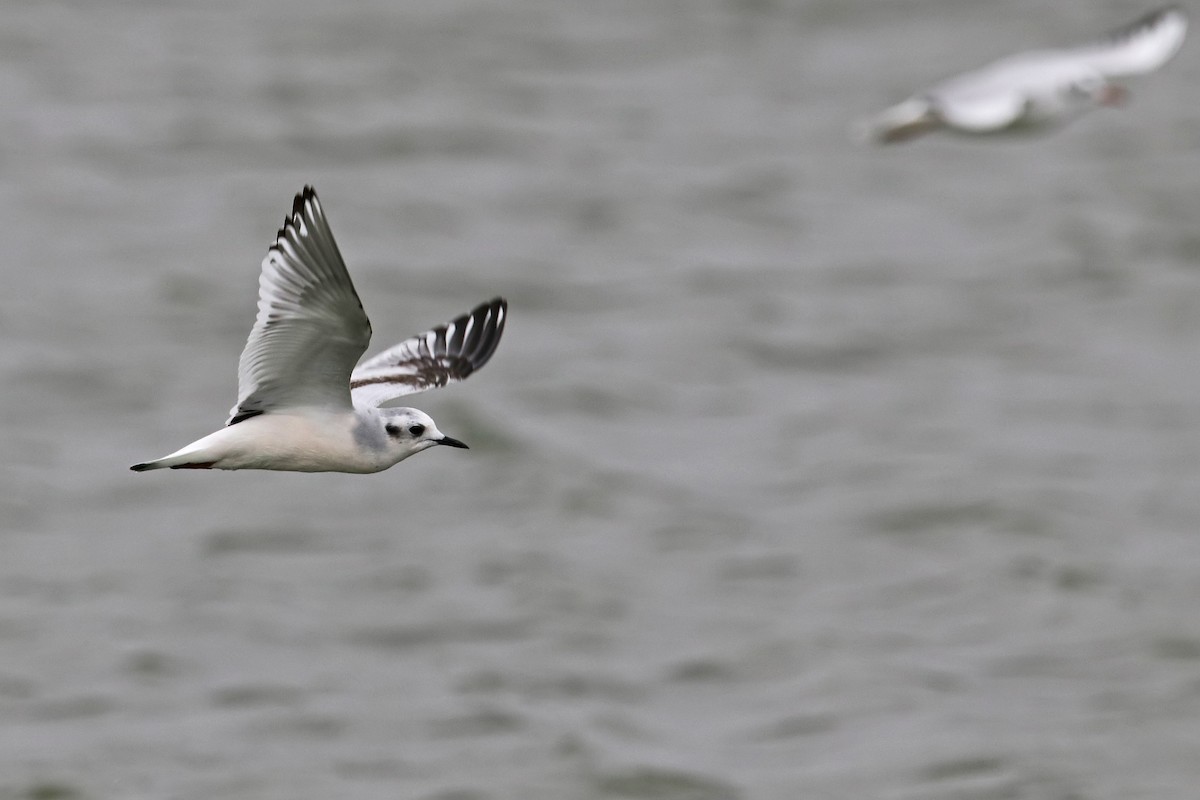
[(200, 454), (899, 123), (173, 462)]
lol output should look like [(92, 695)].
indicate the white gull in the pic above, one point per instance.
[(1036, 90), (302, 405)]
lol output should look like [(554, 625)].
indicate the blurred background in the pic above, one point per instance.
[(804, 469)]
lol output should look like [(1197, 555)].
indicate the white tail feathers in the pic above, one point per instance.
[(195, 456), (173, 462), (902, 121)]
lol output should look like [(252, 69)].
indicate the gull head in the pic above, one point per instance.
[(1096, 89), (403, 432)]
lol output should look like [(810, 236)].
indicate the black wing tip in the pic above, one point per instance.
[(494, 314), (1153, 18), (292, 220), (142, 467), (300, 202), (470, 352), (302, 197), (1148, 21), (497, 307)]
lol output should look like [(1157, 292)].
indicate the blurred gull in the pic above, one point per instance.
[(1036, 90), (302, 406)]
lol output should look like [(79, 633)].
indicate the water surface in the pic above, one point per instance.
[(804, 470)]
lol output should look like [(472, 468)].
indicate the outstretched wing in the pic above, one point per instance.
[(311, 328), (446, 354), (1142, 46)]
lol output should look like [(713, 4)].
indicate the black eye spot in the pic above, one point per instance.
[(416, 430), (392, 430)]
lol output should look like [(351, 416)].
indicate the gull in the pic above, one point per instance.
[(302, 404), (1037, 90)]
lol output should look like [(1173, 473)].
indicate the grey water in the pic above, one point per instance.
[(804, 469)]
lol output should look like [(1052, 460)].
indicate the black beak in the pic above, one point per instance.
[(446, 440)]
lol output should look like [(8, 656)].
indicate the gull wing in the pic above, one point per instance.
[(446, 354), (311, 328), (1142, 46)]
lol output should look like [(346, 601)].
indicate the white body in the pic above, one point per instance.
[(299, 440)]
